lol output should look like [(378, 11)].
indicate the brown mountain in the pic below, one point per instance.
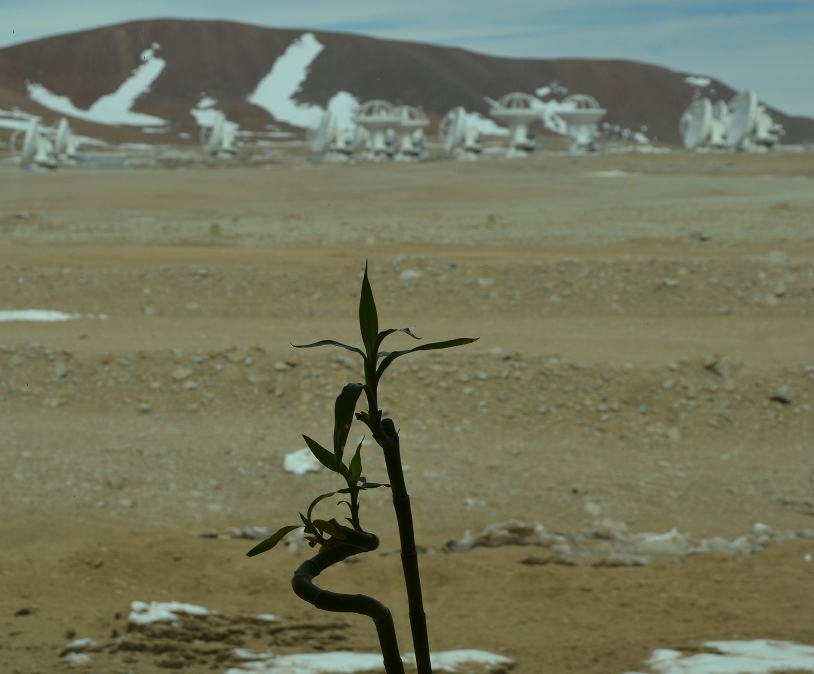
[(226, 60)]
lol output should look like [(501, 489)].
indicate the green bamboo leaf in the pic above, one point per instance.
[(368, 318), (432, 346), (390, 331), (330, 528), (272, 540), (332, 342), (343, 416), (319, 498), (325, 457), (356, 461), (373, 485)]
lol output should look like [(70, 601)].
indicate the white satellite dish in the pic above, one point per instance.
[(377, 118), (582, 119), (696, 123), (330, 142), (517, 110), (461, 139), (743, 117), (719, 124), (411, 142), (325, 133), (750, 125), (36, 149), (221, 140), (66, 144)]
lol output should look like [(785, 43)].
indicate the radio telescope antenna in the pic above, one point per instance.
[(696, 123), (66, 144), (411, 141), (517, 110), (461, 139), (582, 120), (743, 118), (767, 131), (377, 117), (325, 133), (36, 148), (221, 140), (330, 142), (719, 124)]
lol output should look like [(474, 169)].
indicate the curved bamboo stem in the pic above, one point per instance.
[(304, 588)]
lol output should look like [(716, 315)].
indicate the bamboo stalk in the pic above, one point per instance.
[(386, 436)]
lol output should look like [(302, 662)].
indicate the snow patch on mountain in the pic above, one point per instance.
[(275, 92), (112, 109)]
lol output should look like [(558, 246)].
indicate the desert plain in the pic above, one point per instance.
[(645, 362)]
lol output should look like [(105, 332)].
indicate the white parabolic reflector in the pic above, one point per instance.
[(696, 123), (743, 115)]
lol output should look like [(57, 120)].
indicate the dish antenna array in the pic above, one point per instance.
[(517, 110), (742, 125), (331, 142), (377, 118), (36, 147), (582, 119), (221, 140), (461, 139)]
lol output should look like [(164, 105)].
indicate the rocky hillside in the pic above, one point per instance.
[(170, 74)]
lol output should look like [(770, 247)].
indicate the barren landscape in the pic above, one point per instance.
[(645, 362)]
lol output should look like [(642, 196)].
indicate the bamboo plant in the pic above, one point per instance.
[(337, 541)]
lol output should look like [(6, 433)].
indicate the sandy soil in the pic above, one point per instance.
[(646, 356)]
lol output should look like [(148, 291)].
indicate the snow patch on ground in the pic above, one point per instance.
[(142, 613), (301, 462), (761, 656), (345, 662), (275, 92), (36, 315), (112, 109)]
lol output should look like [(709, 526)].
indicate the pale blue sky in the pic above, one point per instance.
[(764, 45)]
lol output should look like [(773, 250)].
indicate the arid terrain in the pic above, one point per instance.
[(646, 357)]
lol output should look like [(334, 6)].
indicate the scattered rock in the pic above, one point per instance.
[(777, 258), (60, 371), (255, 533), (782, 395), (615, 559), (673, 434), (410, 275), (626, 549), (77, 659), (181, 373), (670, 283), (593, 509)]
